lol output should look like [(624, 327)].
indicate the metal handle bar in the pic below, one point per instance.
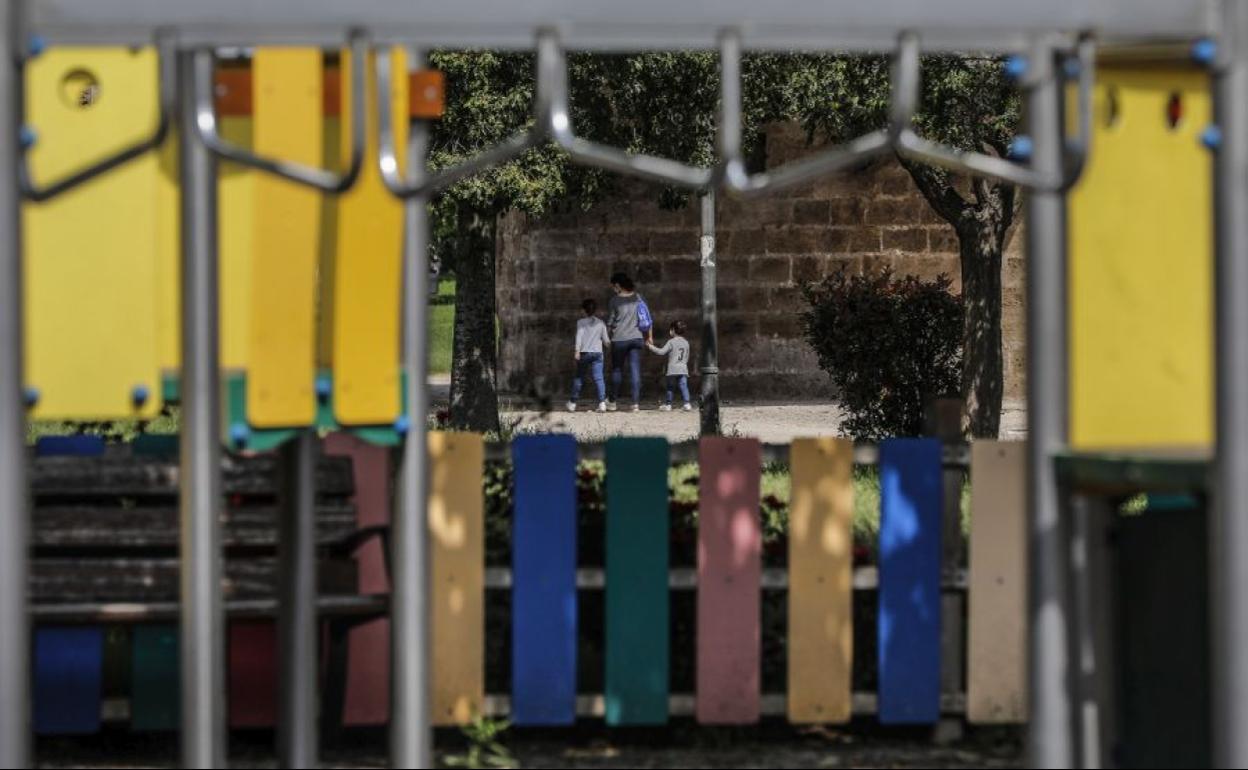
[(552, 121), (424, 182), (732, 167), (32, 190), (978, 164), (319, 178), (553, 72)]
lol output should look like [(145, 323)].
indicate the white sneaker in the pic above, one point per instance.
[(636, 407), (571, 406), (610, 406), (602, 406), (687, 408), (665, 407)]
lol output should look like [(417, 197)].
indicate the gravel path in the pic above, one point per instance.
[(770, 422)]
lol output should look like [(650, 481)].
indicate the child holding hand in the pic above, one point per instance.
[(677, 351)]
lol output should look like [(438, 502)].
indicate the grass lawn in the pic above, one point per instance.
[(441, 327)]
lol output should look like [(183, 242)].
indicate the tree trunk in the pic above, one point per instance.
[(474, 351), (982, 366), (981, 222)]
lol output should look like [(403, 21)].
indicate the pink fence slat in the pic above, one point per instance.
[(729, 573), (366, 700)]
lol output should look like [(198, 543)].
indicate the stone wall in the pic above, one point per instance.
[(767, 247)]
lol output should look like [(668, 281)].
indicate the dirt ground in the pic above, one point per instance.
[(679, 746)]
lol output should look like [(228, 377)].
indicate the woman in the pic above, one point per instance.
[(628, 320)]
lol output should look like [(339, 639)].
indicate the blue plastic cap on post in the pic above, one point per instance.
[(239, 433), (402, 425), (1016, 67), (1020, 148), (36, 45), (1211, 137), (324, 387), (30, 396), (1204, 51), (26, 137), (139, 394)]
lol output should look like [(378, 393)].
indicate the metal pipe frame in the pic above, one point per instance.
[(1051, 674), (1228, 530), (201, 501), (709, 365), (318, 178), (297, 727), (411, 739), (32, 190), (14, 501), (992, 26)]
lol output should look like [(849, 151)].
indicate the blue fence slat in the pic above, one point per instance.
[(909, 596), (69, 666), (543, 594), (69, 446)]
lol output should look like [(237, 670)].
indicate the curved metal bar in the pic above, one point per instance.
[(553, 73), (428, 183), (732, 171), (979, 164), (319, 178), (32, 190)]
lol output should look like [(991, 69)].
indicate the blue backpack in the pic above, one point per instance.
[(644, 320)]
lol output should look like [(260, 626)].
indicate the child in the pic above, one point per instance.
[(677, 351), (591, 335)]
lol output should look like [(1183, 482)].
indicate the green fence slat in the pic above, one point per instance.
[(154, 678), (636, 576)]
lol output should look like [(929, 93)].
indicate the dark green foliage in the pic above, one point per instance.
[(889, 345)]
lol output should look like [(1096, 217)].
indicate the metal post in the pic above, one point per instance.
[(1228, 530), (411, 741), (203, 640), (710, 321), (14, 631), (1051, 724), (297, 629)]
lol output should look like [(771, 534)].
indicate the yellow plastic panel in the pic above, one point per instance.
[(236, 227), (1141, 267), (821, 629), (368, 272), (997, 642), (169, 247), (287, 123), (90, 255), (457, 572)]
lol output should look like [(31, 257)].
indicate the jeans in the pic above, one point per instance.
[(631, 350), (592, 362), (678, 381)]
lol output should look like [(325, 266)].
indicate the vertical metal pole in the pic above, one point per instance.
[(710, 321), (14, 631), (1051, 723), (411, 741), (203, 640), (1228, 531), (297, 630)]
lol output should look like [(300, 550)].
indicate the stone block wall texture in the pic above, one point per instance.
[(767, 247)]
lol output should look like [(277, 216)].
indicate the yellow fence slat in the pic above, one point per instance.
[(368, 272), (457, 546), (997, 634), (820, 641), (1141, 266), (281, 374), (90, 255)]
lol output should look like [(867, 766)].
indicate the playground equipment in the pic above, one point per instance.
[(166, 83)]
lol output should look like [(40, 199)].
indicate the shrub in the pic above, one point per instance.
[(889, 344)]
